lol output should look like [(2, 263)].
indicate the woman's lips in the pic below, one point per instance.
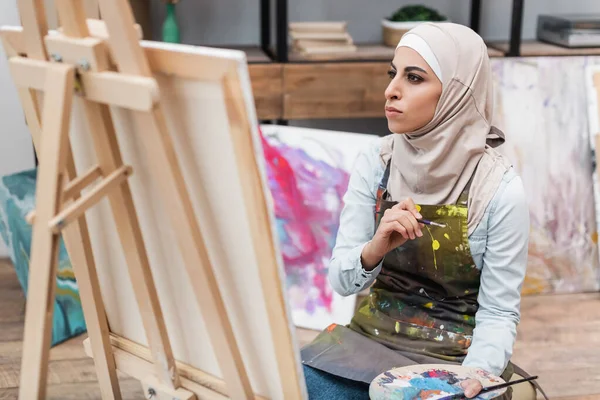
[(392, 112)]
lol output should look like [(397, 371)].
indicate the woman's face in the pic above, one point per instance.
[(413, 93)]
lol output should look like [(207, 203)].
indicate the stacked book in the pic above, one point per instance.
[(321, 37), (570, 30)]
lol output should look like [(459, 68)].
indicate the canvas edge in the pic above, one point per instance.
[(593, 100), (244, 76)]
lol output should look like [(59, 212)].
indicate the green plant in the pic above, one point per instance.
[(416, 13)]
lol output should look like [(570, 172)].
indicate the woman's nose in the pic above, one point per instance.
[(392, 92)]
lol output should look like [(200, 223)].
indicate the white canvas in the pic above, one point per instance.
[(197, 122)]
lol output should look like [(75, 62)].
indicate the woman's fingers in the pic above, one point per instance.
[(409, 205), (406, 219), (472, 387), (397, 227), (391, 226), (410, 219)]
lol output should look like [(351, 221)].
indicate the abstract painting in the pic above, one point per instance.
[(308, 172), (541, 105), (17, 199)]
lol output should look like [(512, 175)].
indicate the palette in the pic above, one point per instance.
[(429, 382)]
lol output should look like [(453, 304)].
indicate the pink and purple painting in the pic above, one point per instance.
[(308, 172)]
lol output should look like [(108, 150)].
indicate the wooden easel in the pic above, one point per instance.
[(103, 63)]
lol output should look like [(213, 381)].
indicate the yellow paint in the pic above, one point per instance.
[(418, 207), (428, 305), (397, 327), (413, 331), (452, 211), (435, 244), (447, 236), (365, 310), (66, 274)]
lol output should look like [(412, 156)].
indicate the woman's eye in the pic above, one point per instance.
[(414, 78), (391, 73)]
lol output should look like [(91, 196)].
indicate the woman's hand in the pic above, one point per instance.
[(397, 226), (472, 387)]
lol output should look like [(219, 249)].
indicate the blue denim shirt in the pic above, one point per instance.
[(498, 245)]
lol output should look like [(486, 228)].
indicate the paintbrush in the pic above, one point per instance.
[(462, 396), (427, 222)]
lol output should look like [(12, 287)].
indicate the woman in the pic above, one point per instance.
[(444, 293)]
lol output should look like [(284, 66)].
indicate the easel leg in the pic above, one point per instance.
[(79, 248), (44, 247), (77, 242)]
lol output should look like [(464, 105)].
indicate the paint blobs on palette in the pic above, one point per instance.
[(427, 383)]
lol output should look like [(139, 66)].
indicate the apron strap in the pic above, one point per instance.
[(464, 196), (384, 181)]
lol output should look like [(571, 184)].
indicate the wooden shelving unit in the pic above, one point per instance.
[(254, 54), (364, 52), (534, 48), (290, 85)]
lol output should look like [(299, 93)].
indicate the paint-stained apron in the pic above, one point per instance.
[(421, 308)]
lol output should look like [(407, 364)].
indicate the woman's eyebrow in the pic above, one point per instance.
[(414, 68), (410, 68)]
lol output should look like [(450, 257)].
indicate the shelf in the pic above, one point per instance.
[(254, 54), (365, 52), (267, 88), (492, 52), (534, 48), (334, 90)]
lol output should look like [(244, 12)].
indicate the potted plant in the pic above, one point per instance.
[(406, 18)]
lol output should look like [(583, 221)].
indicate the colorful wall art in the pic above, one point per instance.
[(541, 105), (308, 172)]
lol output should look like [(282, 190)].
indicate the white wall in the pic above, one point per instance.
[(16, 149)]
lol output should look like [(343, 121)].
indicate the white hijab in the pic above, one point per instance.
[(434, 164)]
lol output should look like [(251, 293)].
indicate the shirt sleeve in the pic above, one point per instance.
[(502, 275), (357, 225)]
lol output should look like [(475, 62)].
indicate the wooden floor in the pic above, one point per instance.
[(559, 340)]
